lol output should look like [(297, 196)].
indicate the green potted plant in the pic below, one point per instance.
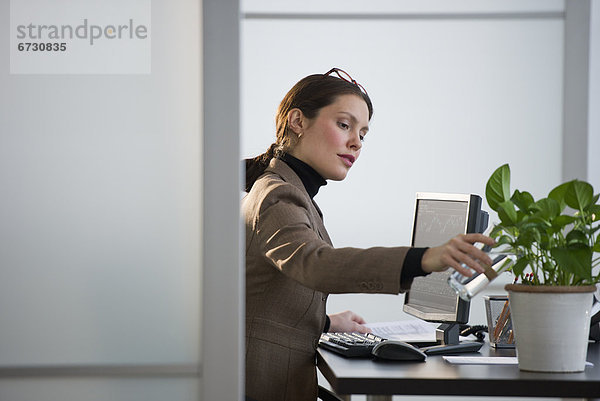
[(555, 240)]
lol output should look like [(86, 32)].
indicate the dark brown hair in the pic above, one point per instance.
[(310, 95)]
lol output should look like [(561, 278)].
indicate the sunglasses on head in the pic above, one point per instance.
[(346, 77)]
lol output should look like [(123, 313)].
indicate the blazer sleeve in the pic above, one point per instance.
[(290, 242)]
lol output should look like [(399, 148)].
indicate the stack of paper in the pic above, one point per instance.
[(410, 330)]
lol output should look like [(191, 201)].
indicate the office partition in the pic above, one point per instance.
[(100, 234)]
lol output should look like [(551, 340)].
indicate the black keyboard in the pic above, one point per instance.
[(355, 345), (351, 345)]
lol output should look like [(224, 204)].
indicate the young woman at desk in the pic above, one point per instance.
[(291, 264)]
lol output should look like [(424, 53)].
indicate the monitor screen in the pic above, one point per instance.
[(438, 218)]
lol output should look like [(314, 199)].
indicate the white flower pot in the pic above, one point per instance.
[(551, 326)]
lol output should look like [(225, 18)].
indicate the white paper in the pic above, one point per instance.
[(482, 360), (487, 360), (411, 330)]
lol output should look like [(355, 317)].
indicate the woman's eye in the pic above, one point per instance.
[(343, 125), (362, 138)]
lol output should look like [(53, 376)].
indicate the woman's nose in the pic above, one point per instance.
[(355, 141)]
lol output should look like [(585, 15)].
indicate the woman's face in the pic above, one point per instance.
[(331, 142)]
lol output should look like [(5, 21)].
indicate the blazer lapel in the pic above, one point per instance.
[(321, 225), (280, 168)]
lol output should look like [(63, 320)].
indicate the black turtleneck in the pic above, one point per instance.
[(310, 178)]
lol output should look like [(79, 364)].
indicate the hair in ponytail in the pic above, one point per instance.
[(310, 95), (255, 167)]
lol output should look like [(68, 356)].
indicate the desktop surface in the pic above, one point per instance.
[(438, 377)]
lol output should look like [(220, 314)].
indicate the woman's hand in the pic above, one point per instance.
[(457, 251), (347, 322)]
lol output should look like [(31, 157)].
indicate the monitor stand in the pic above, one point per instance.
[(447, 336), (447, 333)]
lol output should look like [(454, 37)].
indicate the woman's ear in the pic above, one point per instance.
[(296, 121)]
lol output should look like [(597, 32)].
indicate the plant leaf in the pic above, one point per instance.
[(558, 194), (532, 233), (579, 195), (595, 211), (560, 221), (576, 237), (548, 208), (505, 239), (497, 189), (528, 236), (522, 200), (551, 274), (520, 266), (537, 223), (507, 213), (576, 259), (496, 231)]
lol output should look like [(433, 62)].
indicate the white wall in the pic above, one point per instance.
[(100, 234), (458, 89)]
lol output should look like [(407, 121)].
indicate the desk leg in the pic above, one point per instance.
[(379, 398)]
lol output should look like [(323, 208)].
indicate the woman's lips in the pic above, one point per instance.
[(348, 159)]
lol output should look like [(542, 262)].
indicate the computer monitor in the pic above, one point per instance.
[(439, 217)]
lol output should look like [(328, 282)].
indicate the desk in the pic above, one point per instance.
[(379, 379)]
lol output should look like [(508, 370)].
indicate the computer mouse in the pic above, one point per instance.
[(397, 351)]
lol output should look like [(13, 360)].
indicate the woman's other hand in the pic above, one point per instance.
[(347, 322), (456, 252)]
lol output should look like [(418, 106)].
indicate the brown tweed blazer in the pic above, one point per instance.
[(291, 267)]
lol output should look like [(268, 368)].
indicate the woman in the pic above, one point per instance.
[(291, 265)]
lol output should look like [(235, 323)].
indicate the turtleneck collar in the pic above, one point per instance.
[(310, 178)]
